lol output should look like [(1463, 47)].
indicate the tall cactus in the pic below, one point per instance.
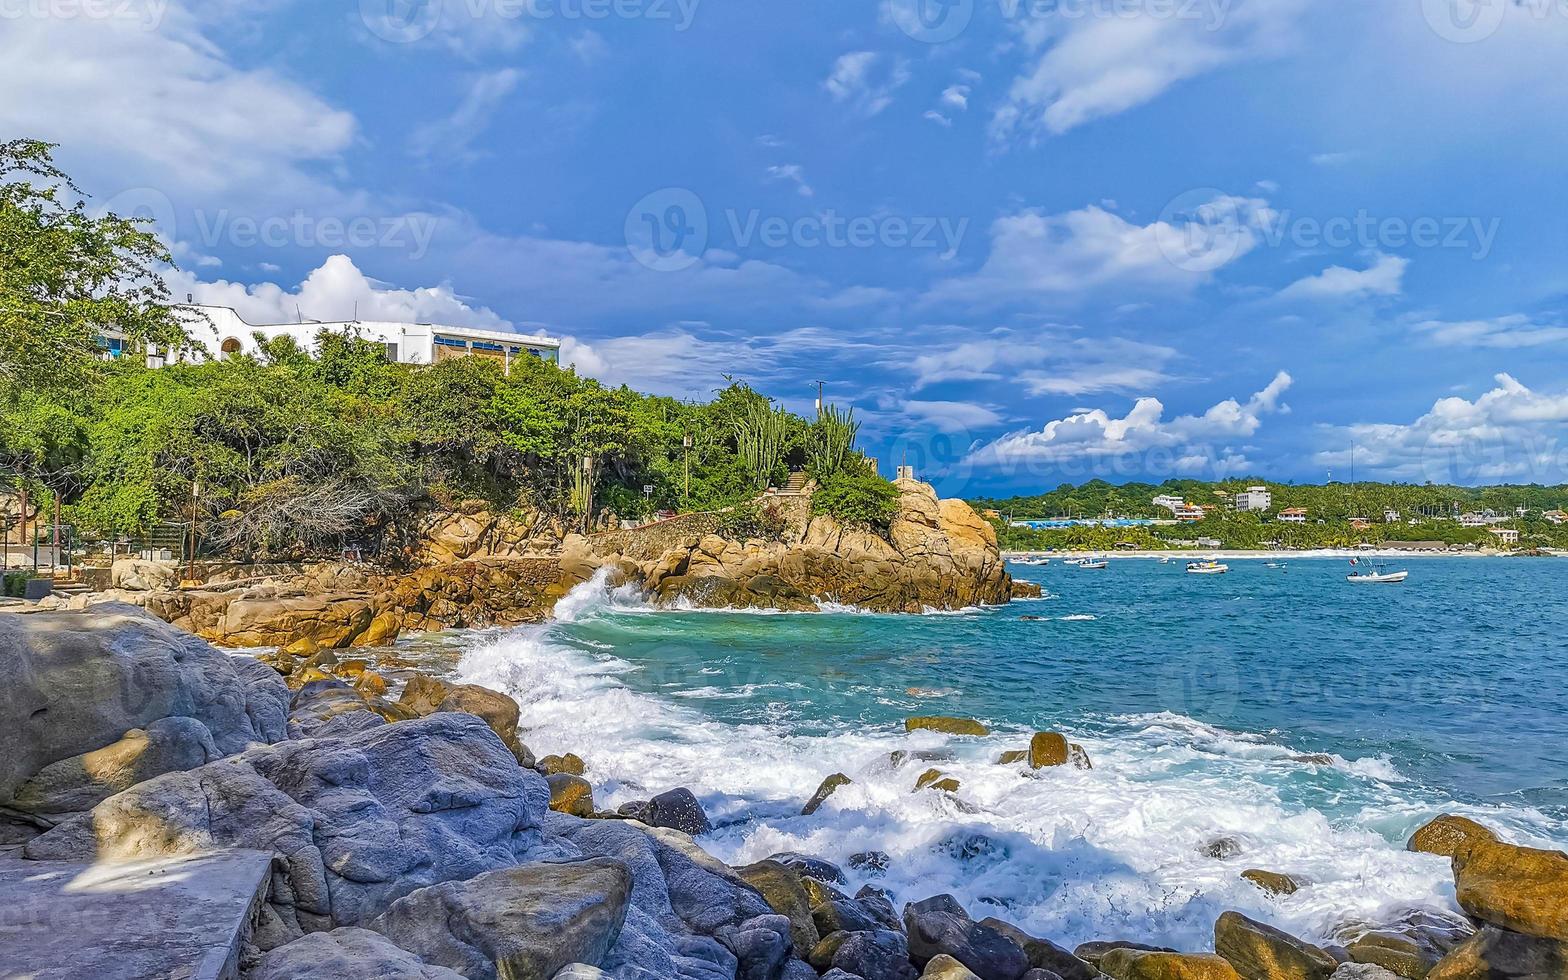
[(830, 440), (759, 439)]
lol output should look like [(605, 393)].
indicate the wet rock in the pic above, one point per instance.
[(498, 710), (938, 926), (1044, 954), (807, 866), (1497, 954), (1261, 952), (1409, 947), (570, 794), (1080, 756), (935, 779), (678, 810), (1314, 759), (1362, 971), (357, 821), (347, 954), (781, 888), (1093, 952), (1223, 848), (423, 695), (1048, 749), (878, 955), (1448, 834), (1126, 963), (944, 967), (1272, 881), (1013, 757), (829, 786), (871, 863), (1041, 975), (522, 923), (949, 725), (761, 946), (1523, 889), (855, 915), (898, 757), (818, 892), (569, 763)]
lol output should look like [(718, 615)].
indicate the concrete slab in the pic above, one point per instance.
[(169, 919)]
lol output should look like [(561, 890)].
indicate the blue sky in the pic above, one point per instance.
[(1029, 242)]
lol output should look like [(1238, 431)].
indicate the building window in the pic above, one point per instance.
[(229, 347), (391, 352)]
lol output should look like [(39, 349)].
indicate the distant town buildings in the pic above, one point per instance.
[(1180, 509), (1293, 515), (1254, 499), (1505, 535), (1473, 520), (1555, 516)]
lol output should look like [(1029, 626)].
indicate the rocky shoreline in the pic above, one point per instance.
[(486, 570), (412, 833)]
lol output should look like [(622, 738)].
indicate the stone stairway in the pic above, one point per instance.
[(184, 917), (797, 482)]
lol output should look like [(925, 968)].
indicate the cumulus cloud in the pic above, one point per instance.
[(1089, 67), (1046, 363), (1384, 277), (338, 290), (1510, 433), (866, 81), (1189, 443), (1067, 254)]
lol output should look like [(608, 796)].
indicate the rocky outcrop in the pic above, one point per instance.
[(937, 554), (1448, 834), (347, 954), (1261, 952), (358, 820), (96, 702), (1522, 889)]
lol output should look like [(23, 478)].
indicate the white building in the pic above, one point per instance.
[(1254, 499), (1506, 535), (1473, 520), (1169, 502), (224, 333), (1294, 515)]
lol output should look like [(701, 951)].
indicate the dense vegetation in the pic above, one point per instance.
[(1330, 508), (293, 450)]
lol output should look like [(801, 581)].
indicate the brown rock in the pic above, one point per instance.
[(952, 726), (371, 684), (424, 694), (1013, 757), (934, 779), (498, 710), (1448, 834), (781, 888), (1262, 952), (571, 794), (1048, 749), (1409, 947), (1496, 954), (569, 763), (944, 967), (1272, 881), (1095, 951), (1134, 964), (829, 786), (1523, 889)]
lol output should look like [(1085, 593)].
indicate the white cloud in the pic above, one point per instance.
[(1512, 331), (1036, 253), (1094, 66), (792, 173), (1046, 363), (454, 136), (866, 81), (1384, 277), (1335, 159), (1188, 442), (1510, 433), (165, 111), (937, 118), (338, 290), (956, 97)]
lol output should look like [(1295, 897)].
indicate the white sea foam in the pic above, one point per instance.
[(1111, 852)]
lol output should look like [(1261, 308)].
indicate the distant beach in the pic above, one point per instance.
[(1197, 553)]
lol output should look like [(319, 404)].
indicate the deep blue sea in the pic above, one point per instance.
[(1195, 696)]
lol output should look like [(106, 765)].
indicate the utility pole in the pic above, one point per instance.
[(190, 567), (820, 384), (686, 445)]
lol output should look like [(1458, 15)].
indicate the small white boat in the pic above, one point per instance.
[(1166, 560), (1207, 568), (1032, 561), (1094, 563), (1273, 564), (1375, 578), (1074, 561)]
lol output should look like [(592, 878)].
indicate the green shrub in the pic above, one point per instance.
[(16, 583), (857, 499), (753, 520)]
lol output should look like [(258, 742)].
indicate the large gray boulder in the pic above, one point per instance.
[(359, 821), (346, 954), (77, 784), (77, 681), (521, 923), (690, 916)]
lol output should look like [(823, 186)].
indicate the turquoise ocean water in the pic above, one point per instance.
[(1197, 698)]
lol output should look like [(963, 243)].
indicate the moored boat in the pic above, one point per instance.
[(1207, 568)]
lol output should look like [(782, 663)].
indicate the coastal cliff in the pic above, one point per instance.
[(488, 570)]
